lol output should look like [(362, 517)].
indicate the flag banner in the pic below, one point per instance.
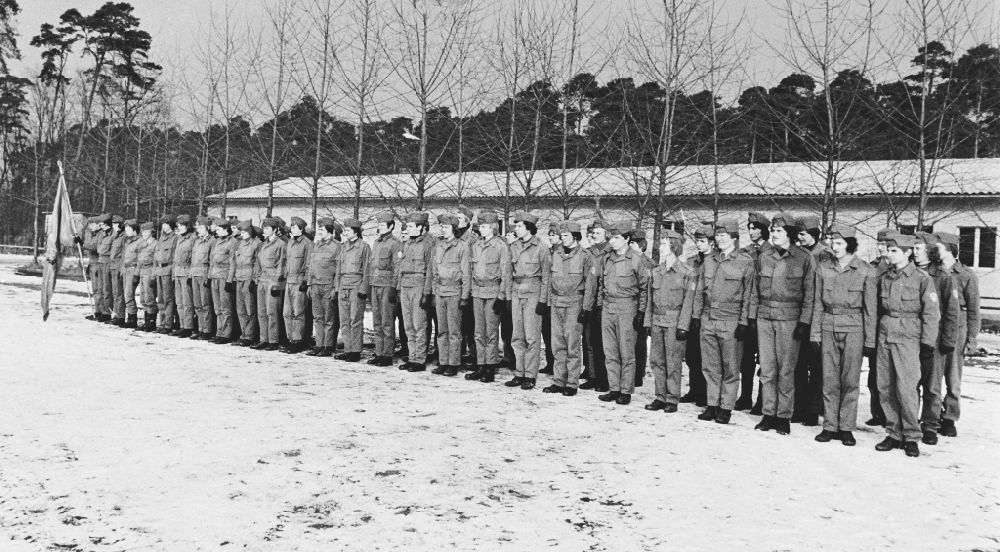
[(60, 229)]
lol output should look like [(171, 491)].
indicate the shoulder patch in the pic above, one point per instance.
[(934, 297), (400, 254), (954, 293)]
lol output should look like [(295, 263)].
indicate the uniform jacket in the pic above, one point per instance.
[(948, 304), (624, 281), (147, 252), (270, 265), (754, 250), (222, 258), (244, 265), (908, 306), (323, 261), (385, 257), (451, 271), (671, 296), (297, 259), (967, 284), (491, 268), (105, 240), (130, 252), (727, 288), (414, 266), (352, 268), (164, 257), (90, 240), (846, 300), (201, 256), (117, 245), (530, 261), (785, 284), (183, 254), (573, 279)]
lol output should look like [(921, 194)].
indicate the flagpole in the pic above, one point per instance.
[(79, 250)]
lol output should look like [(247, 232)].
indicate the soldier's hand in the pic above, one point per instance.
[(946, 349), (275, 291), (425, 302), (207, 283), (393, 296), (135, 280), (463, 303), (229, 287), (498, 306), (541, 308), (189, 280), (362, 295), (816, 347), (303, 287), (253, 286), (752, 324), (638, 320), (78, 240), (681, 335), (801, 332), (741, 332), (926, 351), (869, 352), (583, 317)]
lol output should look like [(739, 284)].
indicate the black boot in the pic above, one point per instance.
[(708, 414), (765, 424), (514, 382), (450, 371), (132, 322), (723, 415), (475, 374), (489, 373), (325, 352), (553, 389), (947, 428), (527, 384), (826, 436), (782, 426), (888, 444), (609, 396)]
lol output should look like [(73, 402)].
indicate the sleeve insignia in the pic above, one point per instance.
[(933, 297)]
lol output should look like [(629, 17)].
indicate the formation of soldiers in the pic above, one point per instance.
[(798, 313)]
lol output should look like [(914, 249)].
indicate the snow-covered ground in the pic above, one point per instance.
[(117, 440)]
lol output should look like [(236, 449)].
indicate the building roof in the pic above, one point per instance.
[(965, 177)]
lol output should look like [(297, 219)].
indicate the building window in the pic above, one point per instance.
[(977, 246), (675, 225), (911, 229)]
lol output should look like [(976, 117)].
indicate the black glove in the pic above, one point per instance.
[(695, 326), (752, 324), (498, 306), (681, 335), (463, 303), (189, 280), (869, 352), (152, 284), (207, 283), (541, 308), (303, 287), (926, 351), (393, 295), (135, 280), (229, 287), (638, 320), (362, 295), (801, 332), (336, 298), (253, 286), (741, 332), (78, 240), (817, 347), (275, 291), (426, 302), (583, 317), (946, 349)]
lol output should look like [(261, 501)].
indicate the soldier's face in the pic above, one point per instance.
[(779, 237), (349, 234), (182, 228), (129, 231), (703, 245), (598, 235), (665, 249), (520, 230), (486, 230), (920, 253), (805, 238), (882, 249), (412, 230), (897, 256), (617, 242), (221, 232), (566, 238), (511, 237), (447, 231), (146, 234), (839, 247), (635, 246), (268, 231), (754, 232), (165, 228), (321, 233), (383, 227), (294, 230), (724, 241), (943, 252), (462, 221)]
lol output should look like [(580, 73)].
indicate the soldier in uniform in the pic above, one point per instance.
[(623, 293), (385, 257), (91, 237), (297, 253), (593, 344), (528, 295), (907, 327), (491, 271), (466, 232), (759, 228), (638, 244), (572, 295), (147, 275), (880, 265), (725, 298), (925, 256), (351, 285), (415, 288), (507, 315), (105, 238), (784, 310), (809, 367), (669, 306), (322, 266), (967, 287), (222, 287), (842, 329), (704, 241), (164, 260), (554, 246), (201, 282), (117, 287), (242, 275), (270, 275), (183, 283), (452, 285), (130, 272)]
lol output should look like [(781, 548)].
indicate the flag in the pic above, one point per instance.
[(60, 230)]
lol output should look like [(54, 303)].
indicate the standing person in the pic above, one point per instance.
[(466, 231), (242, 274), (668, 316), (704, 241), (638, 244), (507, 315), (117, 286), (490, 271), (967, 288), (759, 228), (270, 274), (91, 236), (842, 329), (201, 283), (130, 272), (624, 286), (784, 313), (404, 344), (297, 253), (383, 264), (528, 294), (183, 282), (809, 367), (351, 285), (105, 239), (415, 288), (451, 285), (222, 287), (572, 295), (554, 245), (593, 343), (880, 264), (925, 256), (147, 276), (164, 259), (322, 266), (907, 327), (725, 298)]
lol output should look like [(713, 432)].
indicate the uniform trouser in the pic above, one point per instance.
[(748, 363), (397, 312), (129, 283), (269, 309), (352, 319), (507, 334), (841, 355), (222, 300), (692, 356), (469, 331), (184, 292), (619, 346), (593, 345), (246, 309), (294, 311), (383, 322), (874, 401), (666, 360), (104, 283), (720, 362), (415, 320), (808, 381), (778, 355), (326, 318), (449, 330), (952, 369), (487, 328), (641, 354), (117, 293), (97, 290), (526, 335), (165, 301), (202, 297), (148, 296), (898, 375), (931, 372), (547, 338), (567, 351)]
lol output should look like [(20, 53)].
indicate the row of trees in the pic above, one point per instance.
[(370, 87)]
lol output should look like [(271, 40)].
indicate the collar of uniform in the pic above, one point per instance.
[(907, 270), (532, 241), (448, 244), (615, 256), (383, 237), (957, 268), (419, 239), (671, 268), (562, 251), (720, 256)]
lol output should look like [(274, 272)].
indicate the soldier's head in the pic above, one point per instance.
[(131, 227), (637, 242), (525, 225), (386, 223), (146, 230), (758, 227), (417, 224), (296, 227), (117, 223), (183, 224), (464, 216), (246, 229), (619, 235), (352, 230), (104, 222), (488, 224), (511, 235), (783, 230), (167, 224), (899, 249), (842, 240), (448, 225), (880, 238), (671, 243), (223, 228), (947, 247), (704, 238), (726, 233), (570, 233), (597, 233), (922, 242), (92, 224)]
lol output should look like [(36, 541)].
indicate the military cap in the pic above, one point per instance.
[(104, 219), (281, 221), (297, 221), (447, 218), (841, 231), (784, 219), (924, 238), (947, 238), (807, 222), (704, 231), (386, 217), (900, 240), (147, 226), (727, 225), (245, 226), (883, 233), (132, 222), (203, 221), (524, 216), (258, 231), (325, 221), (222, 221), (620, 227), (465, 211), (757, 218), (418, 217), (168, 219), (598, 223), (672, 234), (352, 223), (117, 219), (184, 219), (569, 226), (271, 222), (487, 217)]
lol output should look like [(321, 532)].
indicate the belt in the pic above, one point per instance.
[(620, 299), (903, 315), (129, 266), (779, 304), (842, 310), (164, 265), (571, 294), (412, 273), (522, 279), (724, 304)]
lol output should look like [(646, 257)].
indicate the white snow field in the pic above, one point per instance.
[(118, 440)]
